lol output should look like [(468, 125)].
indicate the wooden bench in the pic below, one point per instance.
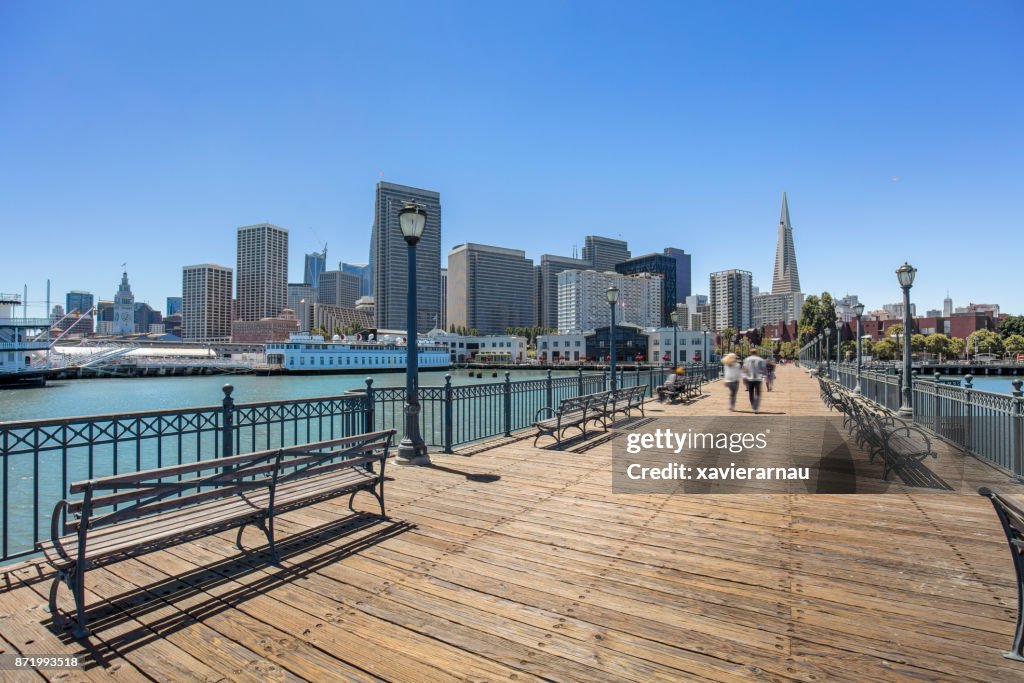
[(688, 387), (1011, 516), (571, 412), (130, 514)]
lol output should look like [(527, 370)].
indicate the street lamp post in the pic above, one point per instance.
[(675, 339), (828, 352), (704, 352), (858, 310), (839, 343), (612, 294), (905, 274), (412, 450)]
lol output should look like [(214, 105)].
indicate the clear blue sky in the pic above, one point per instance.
[(147, 132)]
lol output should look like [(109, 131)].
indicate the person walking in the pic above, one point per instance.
[(732, 377), (769, 374), (753, 374)]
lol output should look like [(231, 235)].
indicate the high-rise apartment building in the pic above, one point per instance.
[(730, 299), (316, 263), (338, 289), (77, 300), (583, 305), (389, 258), (206, 302), (604, 253), (261, 271), (770, 309), (673, 265), (124, 308), (546, 296), (489, 288), (787, 277)]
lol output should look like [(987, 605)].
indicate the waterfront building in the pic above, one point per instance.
[(604, 253), (335, 319), (124, 308), (546, 296), (787, 276), (77, 300), (562, 348), (582, 302), (768, 309), (389, 258), (689, 345), (276, 329), (730, 299), (338, 289), (489, 288), (173, 305), (205, 302), (630, 343), (673, 265), (261, 272), (315, 264), (496, 348), (363, 272), (301, 298), (22, 360)]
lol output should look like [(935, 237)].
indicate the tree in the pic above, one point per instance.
[(984, 341), (1014, 344), (917, 343), (955, 346), (817, 313), (1012, 325), (849, 350), (937, 344), (885, 349)]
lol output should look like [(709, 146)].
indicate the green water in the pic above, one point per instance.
[(80, 397)]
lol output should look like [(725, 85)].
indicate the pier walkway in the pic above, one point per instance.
[(508, 562)]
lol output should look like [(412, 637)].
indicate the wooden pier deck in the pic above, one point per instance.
[(513, 563)]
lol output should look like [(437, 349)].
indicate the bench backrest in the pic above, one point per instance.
[(1011, 515), (573, 405), (123, 497)]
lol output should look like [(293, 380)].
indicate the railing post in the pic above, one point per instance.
[(370, 406), (447, 445), (508, 404), (228, 424), (968, 412), (579, 382), (1018, 428), (549, 393), (935, 418)]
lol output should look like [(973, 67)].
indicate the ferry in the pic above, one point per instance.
[(312, 353), (24, 352)]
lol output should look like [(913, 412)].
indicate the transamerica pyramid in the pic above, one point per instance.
[(787, 277)]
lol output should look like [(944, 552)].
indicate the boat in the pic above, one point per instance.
[(24, 357), (312, 353)]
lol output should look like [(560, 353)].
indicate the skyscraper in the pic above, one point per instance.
[(787, 277), (489, 288), (124, 308), (77, 300), (583, 303), (262, 271), (301, 299), (730, 299), (673, 265), (205, 302), (363, 271), (547, 286), (389, 258), (173, 305), (316, 263), (604, 253), (338, 289), (947, 305)]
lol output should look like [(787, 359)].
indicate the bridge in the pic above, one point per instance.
[(505, 561)]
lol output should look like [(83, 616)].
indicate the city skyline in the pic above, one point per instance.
[(873, 131)]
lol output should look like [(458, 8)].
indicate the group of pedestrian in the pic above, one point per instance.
[(753, 371)]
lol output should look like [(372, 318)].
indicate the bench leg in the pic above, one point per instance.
[(75, 581), (373, 492), (238, 538), (1017, 653), (267, 525)]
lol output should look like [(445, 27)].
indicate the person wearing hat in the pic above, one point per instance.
[(672, 386), (733, 372)]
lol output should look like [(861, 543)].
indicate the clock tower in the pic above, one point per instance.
[(124, 308)]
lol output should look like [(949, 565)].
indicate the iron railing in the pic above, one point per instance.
[(986, 424), (40, 458)]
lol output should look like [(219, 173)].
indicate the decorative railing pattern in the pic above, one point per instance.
[(40, 458)]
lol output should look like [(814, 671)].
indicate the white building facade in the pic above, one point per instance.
[(690, 346), (562, 348), (582, 302)]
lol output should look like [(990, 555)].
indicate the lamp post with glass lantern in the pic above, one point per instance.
[(839, 343), (905, 274), (858, 310), (675, 338), (612, 295), (412, 450), (828, 351), (704, 352)]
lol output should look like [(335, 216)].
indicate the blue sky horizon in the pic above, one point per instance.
[(146, 134)]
